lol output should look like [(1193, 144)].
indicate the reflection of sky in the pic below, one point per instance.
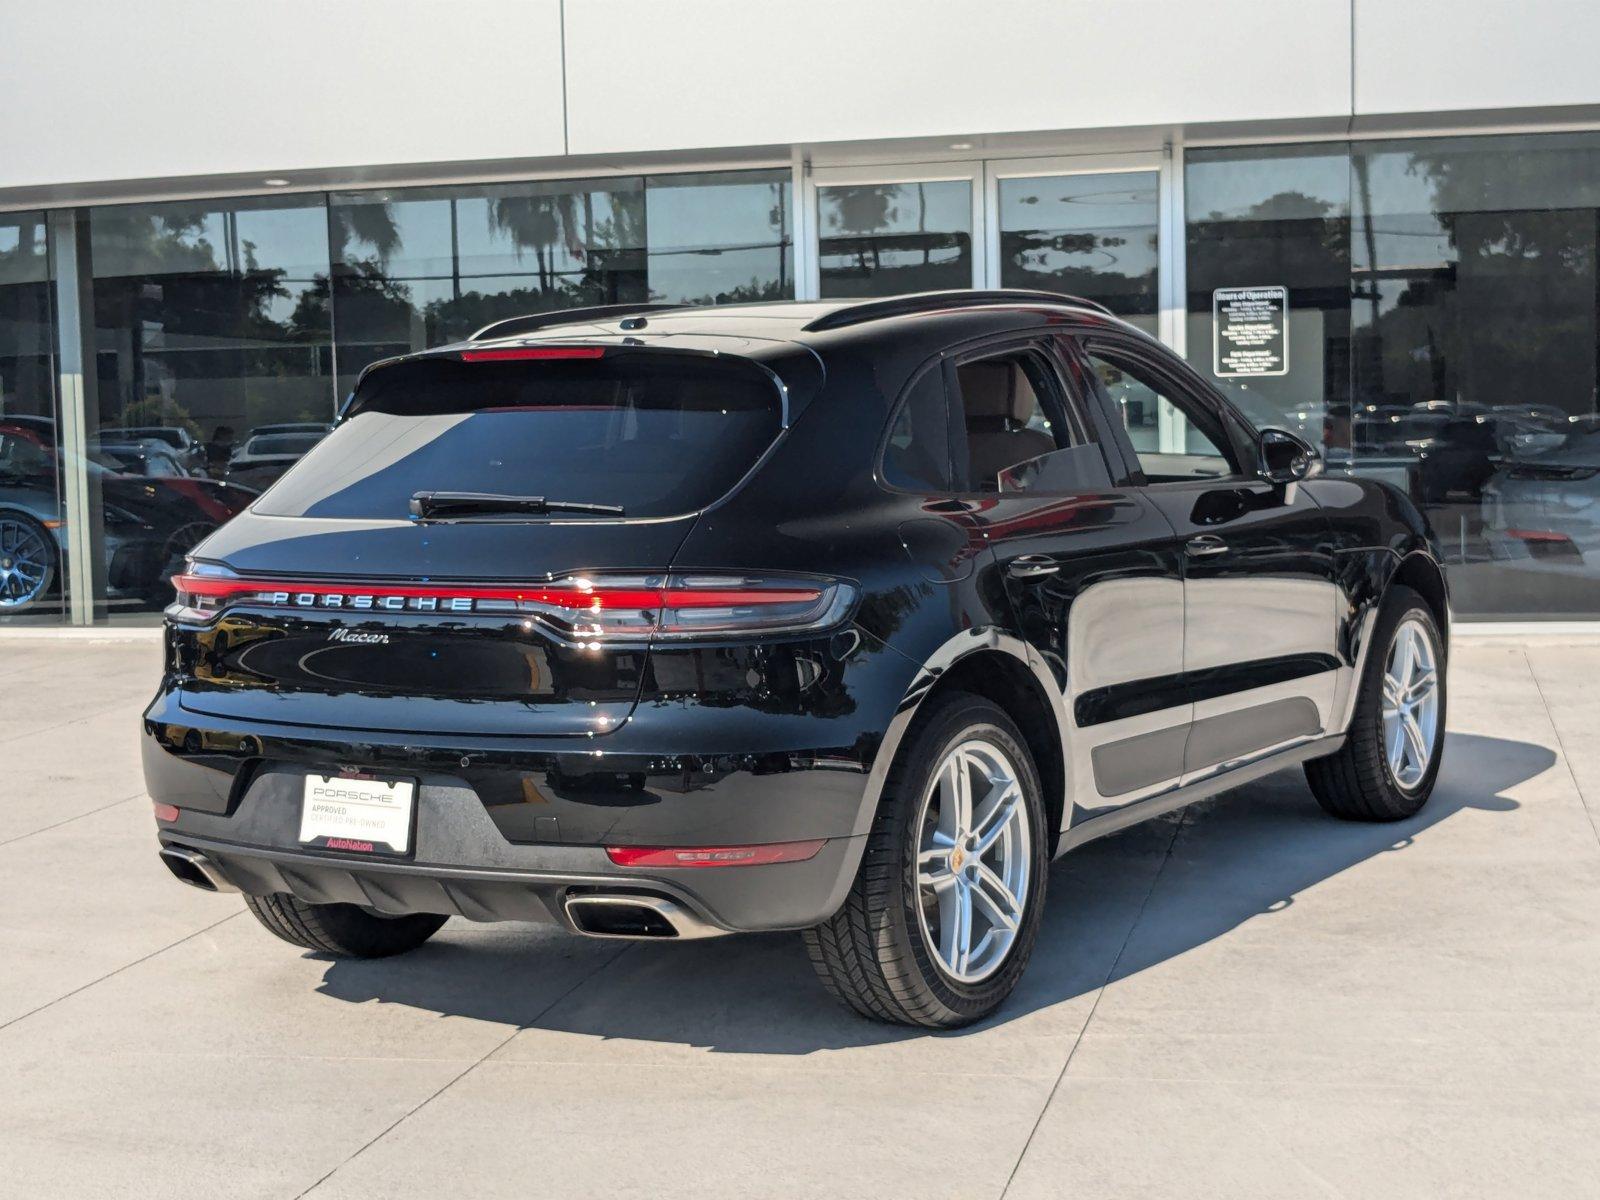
[(1231, 183), (1079, 203), (291, 236), (944, 206)]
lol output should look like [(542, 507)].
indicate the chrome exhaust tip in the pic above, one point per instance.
[(195, 869), (638, 918)]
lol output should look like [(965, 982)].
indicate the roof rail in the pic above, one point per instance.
[(565, 316), (897, 306)]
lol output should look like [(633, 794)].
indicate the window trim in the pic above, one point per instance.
[(1216, 417)]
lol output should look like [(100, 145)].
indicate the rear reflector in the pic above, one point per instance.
[(713, 856), (530, 353), (166, 812)]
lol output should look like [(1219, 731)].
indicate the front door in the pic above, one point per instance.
[(1259, 657), (1090, 568)]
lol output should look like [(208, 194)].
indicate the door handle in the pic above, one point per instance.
[(1031, 566), (1205, 545)]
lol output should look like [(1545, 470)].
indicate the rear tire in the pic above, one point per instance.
[(936, 865), (342, 930), (1361, 782)]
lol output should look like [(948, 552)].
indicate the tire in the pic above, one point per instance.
[(27, 562), (1359, 783), (342, 930), (877, 954)]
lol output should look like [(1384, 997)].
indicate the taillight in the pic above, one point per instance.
[(578, 609), (532, 353)]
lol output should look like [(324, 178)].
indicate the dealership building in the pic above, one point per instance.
[(1373, 222)]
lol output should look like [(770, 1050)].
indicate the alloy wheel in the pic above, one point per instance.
[(973, 860), (24, 563), (1410, 704)]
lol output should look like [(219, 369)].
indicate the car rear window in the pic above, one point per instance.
[(658, 434)]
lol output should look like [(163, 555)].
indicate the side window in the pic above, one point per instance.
[(917, 456), (1173, 437), (1011, 415)]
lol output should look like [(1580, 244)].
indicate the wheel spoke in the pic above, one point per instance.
[(955, 799), (1415, 742), (1000, 806), (991, 894), (1395, 730), (933, 869), (955, 932), (1422, 686)]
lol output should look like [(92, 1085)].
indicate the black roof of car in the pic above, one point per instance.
[(787, 320)]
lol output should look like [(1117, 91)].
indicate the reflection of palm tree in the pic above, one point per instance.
[(373, 224), (538, 223), (862, 212)]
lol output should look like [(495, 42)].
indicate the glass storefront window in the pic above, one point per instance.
[(1265, 217), (1442, 331), (422, 267), (32, 542), (719, 239), (881, 239), (1089, 235), (1474, 368), (213, 340)]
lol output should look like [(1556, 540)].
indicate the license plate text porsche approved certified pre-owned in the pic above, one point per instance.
[(363, 815)]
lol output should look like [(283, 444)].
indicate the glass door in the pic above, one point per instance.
[(883, 231), (1091, 227)]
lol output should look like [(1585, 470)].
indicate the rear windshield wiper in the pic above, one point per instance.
[(468, 504)]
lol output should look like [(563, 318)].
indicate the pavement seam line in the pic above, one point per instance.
[(70, 820), (77, 720), (1566, 759), (1111, 974), (456, 1078), (119, 970)]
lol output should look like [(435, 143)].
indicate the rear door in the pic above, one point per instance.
[(1089, 565), (344, 600), (1260, 657)]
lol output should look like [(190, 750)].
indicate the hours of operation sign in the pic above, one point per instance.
[(1250, 331)]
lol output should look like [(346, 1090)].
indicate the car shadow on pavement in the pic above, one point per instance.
[(1116, 906)]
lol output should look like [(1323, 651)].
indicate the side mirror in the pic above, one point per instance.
[(1286, 458)]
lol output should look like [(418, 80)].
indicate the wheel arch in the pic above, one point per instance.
[(1422, 573), (1001, 669)]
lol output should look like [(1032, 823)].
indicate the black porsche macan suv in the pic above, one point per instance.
[(835, 617)]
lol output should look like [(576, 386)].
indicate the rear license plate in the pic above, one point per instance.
[(367, 816)]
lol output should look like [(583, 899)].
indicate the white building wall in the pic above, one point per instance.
[(1421, 56), (669, 74), (107, 91)]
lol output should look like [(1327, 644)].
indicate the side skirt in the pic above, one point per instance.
[(1176, 797)]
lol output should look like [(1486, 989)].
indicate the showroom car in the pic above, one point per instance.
[(839, 617), (153, 515)]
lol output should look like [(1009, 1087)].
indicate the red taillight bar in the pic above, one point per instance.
[(525, 353), (559, 596), (714, 856)]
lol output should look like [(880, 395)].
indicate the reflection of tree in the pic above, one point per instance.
[(372, 224), (861, 212), (541, 222), (1473, 297)]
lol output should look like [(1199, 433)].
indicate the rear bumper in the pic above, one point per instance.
[(721, 899), (509, 829)]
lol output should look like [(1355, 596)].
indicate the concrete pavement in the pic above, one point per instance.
[(1247, 999)]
